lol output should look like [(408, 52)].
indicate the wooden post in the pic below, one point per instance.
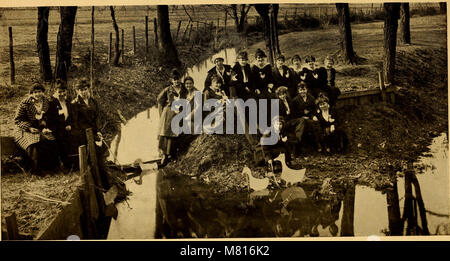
[(178, 30), (382, 87), (320, 13), (146, 35), (11, 226), (82, 158), (123, 49), (134, 40), (93, 157), (216, 37), (110, 48), (11, 57), (92, 49), (155, 28)]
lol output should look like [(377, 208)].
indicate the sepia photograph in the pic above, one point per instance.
[(224, 121)]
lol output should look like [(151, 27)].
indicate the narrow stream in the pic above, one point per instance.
[(163, 205)]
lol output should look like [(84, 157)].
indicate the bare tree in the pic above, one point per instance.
[(117, 40), (167, 50), (404, 24), (238, 13), (346, 33), (392, 13), (64, 41), (42, 44)]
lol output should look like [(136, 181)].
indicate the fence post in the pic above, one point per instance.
[(134, 40), (146, 35), (93, 157), (225, 22), (155, 28), (92, 49), (382, 87), (185, 31), (110, 48), (11, 227), (11, 57), (190, 31), (122, 49)]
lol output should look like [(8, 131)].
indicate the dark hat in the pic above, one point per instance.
[(322, 99), (301, 84), (82, 84), (175, 74), (37, 86), (218, 58), (296, 57), (243, 55), (310, 58), (279, 57), (260, 53)]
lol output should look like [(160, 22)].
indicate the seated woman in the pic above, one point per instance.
[(333, 91), (310, 75), (286, 114), (296, 69), (61, 122), (330, 137), (304, 112), (215, 91), (165, 99), (32, 133), (271, 152)]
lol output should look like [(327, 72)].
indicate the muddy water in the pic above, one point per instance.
[(164, 205), (170, 206)]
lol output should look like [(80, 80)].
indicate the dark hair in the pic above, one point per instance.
[(295, 57), (243, 55), (175, 74), (82, 84), (60, 85), (280, 56), (188, 78), (310, 58), (281, 90), (322, 99), (301, 84), (37, 86), (260, 53)]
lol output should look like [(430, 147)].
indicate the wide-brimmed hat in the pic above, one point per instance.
[(218, 59), (280, 57), (60, 85), (296, 57)]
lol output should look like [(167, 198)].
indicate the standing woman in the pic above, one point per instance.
[(296, 69), (168, 95), (32, 133), (261, 74)]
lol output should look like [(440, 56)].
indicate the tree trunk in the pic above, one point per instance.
[(346, 33), (64, 41), (168, 52), (263, 11), (404, 24), (42, 44), (390, 40), (275, 8), (117, 40)]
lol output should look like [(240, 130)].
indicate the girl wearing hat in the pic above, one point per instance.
[(32, 133), (330, 136), (241, 78), (296, 68), (61, 122), (261, 74), (165, 98), (282, 76), (310, 77), (221, 70)]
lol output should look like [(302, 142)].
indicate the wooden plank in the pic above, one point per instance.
[(93, 157), (11, 227)]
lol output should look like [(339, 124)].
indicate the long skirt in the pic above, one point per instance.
[(165, 131)]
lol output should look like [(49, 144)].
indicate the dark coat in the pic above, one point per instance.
[(87, 116), (56, 121), (287, 79), (226, 77), (262, 77), (299, 106), (237, 81)]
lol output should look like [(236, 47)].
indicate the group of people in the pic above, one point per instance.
[(307, 96), (50, 129)]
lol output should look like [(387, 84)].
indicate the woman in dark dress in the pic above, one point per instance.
[(168, 95), (32, 133), (61, 122), (296, 69), (261, 75), (331, 135)]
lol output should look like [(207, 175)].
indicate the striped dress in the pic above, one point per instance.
[(27, 116)]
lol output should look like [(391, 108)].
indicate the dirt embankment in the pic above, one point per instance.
[(384, 138)]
